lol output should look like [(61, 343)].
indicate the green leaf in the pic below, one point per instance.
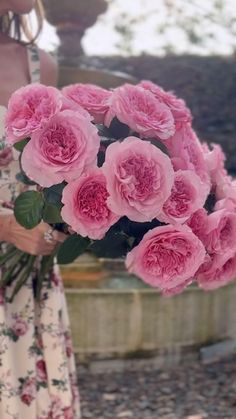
[(52, 213), (28, 209), (21, 177), (118, 130), (103, 131), (53, 194), (114, 245), (72, 248), (20, 145)]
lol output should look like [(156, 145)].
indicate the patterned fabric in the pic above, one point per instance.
[(37, 368)]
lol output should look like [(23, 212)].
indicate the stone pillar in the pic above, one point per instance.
[(71, 19)]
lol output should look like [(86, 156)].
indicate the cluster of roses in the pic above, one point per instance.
[(156, 170)]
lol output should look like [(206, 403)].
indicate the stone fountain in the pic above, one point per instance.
[(71, 19)]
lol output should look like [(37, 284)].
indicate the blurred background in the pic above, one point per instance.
[(141, 355), (177, 43)]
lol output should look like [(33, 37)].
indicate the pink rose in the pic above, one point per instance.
[(66, 146), (6, 156), (85, 205), (223, 184), (29, 108), (20, 327), (169, 292), (167, 257), (41, 370), (220, 179), (215, 160), (141, 111), (186, 153), (220, 232), (197, 222), (93, 98), (225, 187), (70, 105), (188, 194), (139, 179), (226, 203), (177, 106), (28, 392), (217, 271)]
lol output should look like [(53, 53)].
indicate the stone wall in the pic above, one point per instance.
[(108, 323)]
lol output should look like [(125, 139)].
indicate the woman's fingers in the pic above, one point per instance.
[(58, 236)]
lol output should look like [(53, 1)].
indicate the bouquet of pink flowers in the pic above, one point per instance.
[(125, 175)]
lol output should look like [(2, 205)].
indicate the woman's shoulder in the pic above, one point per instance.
[(48, 68)]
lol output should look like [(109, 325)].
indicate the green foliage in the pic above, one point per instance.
[(72, 248), (21, 177), (114, 245), (53, 194), (52, 214), (118, 130), (28, 209), (21, 144)]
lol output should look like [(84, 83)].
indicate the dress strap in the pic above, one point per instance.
[(34, 63)]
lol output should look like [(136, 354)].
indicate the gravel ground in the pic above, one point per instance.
[(190, 390)]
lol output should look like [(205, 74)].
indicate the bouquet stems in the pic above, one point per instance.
[(17, 266), (45, 268), (23, 276)]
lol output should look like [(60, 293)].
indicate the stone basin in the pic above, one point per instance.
[(114, 315)]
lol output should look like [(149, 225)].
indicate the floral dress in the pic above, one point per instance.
[(37, 369)]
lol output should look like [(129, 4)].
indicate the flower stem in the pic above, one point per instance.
[(7, 276), (46, 266), (8, 256), (25, 273)]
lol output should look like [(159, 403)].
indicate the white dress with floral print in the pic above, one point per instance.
[(37, 369)]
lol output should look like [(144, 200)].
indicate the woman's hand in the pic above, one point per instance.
[(30, 241)]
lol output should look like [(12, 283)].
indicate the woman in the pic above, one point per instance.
[(37, 371)]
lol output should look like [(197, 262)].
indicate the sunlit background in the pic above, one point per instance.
[(158, 27)]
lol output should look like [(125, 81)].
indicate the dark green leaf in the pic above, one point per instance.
[(28, 209), (72, 248), (103, 131), (21, 177), (210, 202), (52, 214), (101, 158), (118, 130), (21, 144), (114, 245), (136, 229), (53, 194)]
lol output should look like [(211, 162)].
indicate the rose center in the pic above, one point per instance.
[(226, 231), (178, 203), (167, 258), (138, 178), (60, 145), (91, 201)]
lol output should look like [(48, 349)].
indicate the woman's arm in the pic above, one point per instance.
[(48, 69), (32, 241)]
